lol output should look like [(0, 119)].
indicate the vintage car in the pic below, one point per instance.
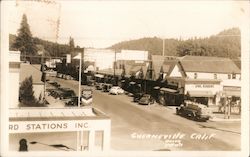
[(99, 86), (73, 101), (146, 99), (137, 96), (61, 93), (116, 90), (194, 111), (67, 94), (106, 87), (55, 84)]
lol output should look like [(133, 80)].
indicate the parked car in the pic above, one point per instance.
[(67, 94), (99, 86), (56, 93), (106, 87), (73, 101), (194, 111), (146, 99), (55, 84), (116, 90), (137, 96)]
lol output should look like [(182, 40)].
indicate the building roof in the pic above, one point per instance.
[(157, 62), (237, 62), (167, 64), (118, 72), (208, 64), (131, 67), (27, 70)]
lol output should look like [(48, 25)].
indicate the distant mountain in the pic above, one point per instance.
[(224, 44)]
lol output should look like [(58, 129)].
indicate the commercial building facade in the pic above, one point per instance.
[(203, 79), (105, 58)]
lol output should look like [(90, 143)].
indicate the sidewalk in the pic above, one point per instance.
[(216, 117), (221, 117)]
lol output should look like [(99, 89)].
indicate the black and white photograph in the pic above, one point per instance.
[(124, 78)]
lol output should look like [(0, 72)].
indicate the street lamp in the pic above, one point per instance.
[(163, 47), (79, 56)]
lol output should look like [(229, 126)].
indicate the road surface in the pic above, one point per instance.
[(139, 127)]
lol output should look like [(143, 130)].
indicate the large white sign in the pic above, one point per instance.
[(68, 59), (58, 126), (204, 86), (214, 88)]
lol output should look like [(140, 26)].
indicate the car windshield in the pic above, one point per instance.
[(146, 96)]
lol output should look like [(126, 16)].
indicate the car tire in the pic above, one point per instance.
[(177, 111)]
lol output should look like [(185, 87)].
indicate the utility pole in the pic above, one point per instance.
[(163, 47), (44, 74), (80, 79), (114, 68)]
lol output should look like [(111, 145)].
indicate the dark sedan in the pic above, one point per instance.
[(146, 99)]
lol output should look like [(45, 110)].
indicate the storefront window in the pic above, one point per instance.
[(195, 75), (215, 76), (233, 76), (229, 76)]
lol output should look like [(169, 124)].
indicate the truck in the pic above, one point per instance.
[(194, 111)]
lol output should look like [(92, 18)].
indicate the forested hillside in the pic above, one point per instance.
[(51, 48), (224, 44)]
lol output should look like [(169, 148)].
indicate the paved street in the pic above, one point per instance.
[(130, 123)]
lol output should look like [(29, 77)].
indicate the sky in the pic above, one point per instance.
[(100, 24)]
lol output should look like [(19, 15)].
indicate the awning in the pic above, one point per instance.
[(99, 75), (200, 94), (168, 90), (232, 93)]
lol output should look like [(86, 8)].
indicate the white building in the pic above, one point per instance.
[(89, 123), (27, 70), (105, 58), (201, 77), (132, 55), (14, 70)]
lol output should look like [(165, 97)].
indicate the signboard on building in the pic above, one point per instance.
[(68, 58), (204, 86), (86, 97), (213, 88), (56, 125)]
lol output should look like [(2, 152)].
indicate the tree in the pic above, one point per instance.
[(24, 41), (26, 92)]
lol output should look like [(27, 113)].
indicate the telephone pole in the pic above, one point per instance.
[(163, 47)]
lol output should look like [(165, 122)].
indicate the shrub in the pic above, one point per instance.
[(26, 94)]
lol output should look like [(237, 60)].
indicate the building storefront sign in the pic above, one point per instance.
[(213, 88), (232, 91), (204, 86), (56, 126)]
